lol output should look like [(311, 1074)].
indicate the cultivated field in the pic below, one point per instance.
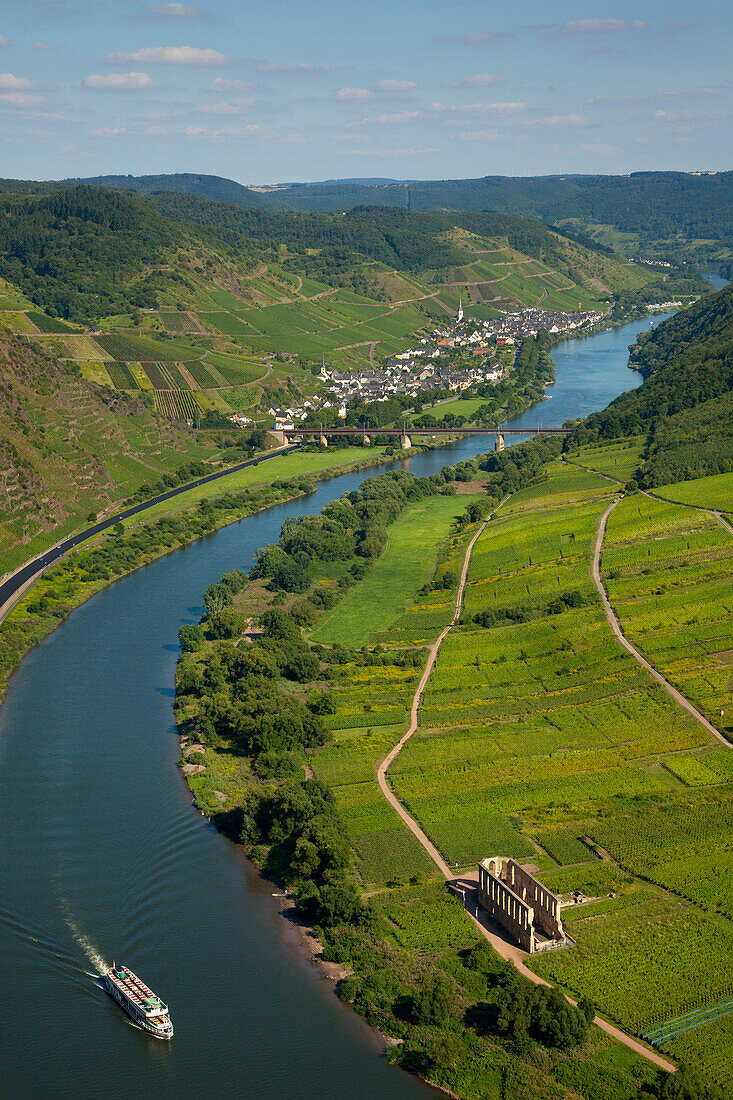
[(541, 738)]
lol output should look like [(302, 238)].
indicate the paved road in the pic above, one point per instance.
[(19, 580), (466, 884)]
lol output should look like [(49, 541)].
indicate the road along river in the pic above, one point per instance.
[(102, 856)]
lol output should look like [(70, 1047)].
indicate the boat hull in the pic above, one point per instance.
[(137, 1019)]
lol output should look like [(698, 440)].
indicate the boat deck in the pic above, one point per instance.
[(137, 991)]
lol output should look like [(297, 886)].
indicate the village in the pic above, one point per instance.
[(453, 358)]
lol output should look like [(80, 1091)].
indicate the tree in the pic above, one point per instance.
[(191, 637), (432, 1004)]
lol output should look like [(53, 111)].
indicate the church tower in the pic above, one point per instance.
[(459, 315)]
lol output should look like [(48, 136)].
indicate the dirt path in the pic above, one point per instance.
[(466, 884), (412, 825), (613, 622)]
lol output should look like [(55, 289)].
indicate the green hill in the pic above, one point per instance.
[(201, 308), (210, 187), (685, 405), (658, 214), (69, 447)]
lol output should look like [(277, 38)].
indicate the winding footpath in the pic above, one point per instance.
[(615, 625), (466, 884), (416, 700), (613, 621)]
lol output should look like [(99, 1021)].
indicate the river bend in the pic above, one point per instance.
[(102, 856)]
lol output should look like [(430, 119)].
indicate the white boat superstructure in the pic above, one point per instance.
[(139, 1002)]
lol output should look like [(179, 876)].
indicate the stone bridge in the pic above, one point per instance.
[(297, 433)]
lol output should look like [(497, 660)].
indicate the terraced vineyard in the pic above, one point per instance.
[(668, 570), (541, 738), (372, 702), (219, 350)]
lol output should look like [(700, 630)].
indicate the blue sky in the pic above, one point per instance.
[(297, 90)]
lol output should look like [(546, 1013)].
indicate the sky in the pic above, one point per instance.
[(296, 90)]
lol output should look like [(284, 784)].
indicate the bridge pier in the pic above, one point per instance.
[(405, 442), (323, 440), (498, 442), (366, 440), (280, 437)]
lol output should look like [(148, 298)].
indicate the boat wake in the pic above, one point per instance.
[(87, 945)]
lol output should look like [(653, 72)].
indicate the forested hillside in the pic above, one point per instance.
[(74, 252), (659, 213), (201, 308), (84, 252), (210, 187), (685, 405)]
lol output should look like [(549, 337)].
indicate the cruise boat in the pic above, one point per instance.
[(139, 1002)]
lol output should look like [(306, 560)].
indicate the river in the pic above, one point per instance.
[(102, 856)]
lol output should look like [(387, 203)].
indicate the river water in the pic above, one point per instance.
[(102, 856)]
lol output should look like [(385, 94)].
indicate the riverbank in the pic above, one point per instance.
[(87, 734), (375, 954), (48, 598)]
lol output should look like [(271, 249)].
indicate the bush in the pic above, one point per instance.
[(274, 765), (191, 637), (433, 1004)]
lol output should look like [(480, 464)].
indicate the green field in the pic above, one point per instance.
[(408, 563), (668, 574), (536, 734), (617, 460), (715, 491), (288, 466)]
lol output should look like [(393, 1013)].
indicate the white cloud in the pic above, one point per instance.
[(175, 11), (224, 108), (601, 26), (42, 46), (477, 39), (109, 131), (154, 130), (672, 116), (21, 100), (479, 135), (396, 85), (221, 84), (116, 81), (278, 67), (4, 41), (399, 116), (559, 120), (295, 139), (479, 80), (489, 108), (354, 93), (172, 55), (412, 151), (8, 80), (253, 130), (599, 147)]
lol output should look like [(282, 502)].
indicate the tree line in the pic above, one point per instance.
[(684, 408)]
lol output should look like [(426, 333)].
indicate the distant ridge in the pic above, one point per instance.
[(664, 210), (186, 183)]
